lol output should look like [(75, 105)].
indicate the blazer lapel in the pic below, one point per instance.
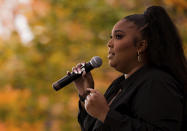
[(124, 96), (116, 102)]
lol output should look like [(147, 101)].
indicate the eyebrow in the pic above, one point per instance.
[(119, 31)]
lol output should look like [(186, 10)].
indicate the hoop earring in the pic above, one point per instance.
[(139, 57)]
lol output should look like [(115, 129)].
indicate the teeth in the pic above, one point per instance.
[(110, 55)]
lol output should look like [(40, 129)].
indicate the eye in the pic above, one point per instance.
[(118, 36)]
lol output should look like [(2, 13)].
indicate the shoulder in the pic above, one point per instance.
[(157, 75), (155, 79), (158, 96)]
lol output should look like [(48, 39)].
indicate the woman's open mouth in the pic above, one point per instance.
[(110, 55)]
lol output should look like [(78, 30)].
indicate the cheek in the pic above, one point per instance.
[(126, 47)]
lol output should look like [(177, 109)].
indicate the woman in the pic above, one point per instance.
[(147, 49)]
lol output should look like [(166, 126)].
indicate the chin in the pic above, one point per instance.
[(116, 66), (112, 64)]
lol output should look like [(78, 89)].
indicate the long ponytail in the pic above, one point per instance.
[(165, 49), (164, 43)]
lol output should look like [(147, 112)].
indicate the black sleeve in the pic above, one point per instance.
[(81, 116), (158, 107)]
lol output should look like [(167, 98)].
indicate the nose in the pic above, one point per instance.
[(110, 43)]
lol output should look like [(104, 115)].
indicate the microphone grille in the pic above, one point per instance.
[(96, 61)]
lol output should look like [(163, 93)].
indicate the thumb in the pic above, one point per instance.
[(90, 90)]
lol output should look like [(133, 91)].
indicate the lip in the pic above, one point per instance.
[(110, 55), (110, 52)]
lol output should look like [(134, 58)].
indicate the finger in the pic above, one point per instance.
[(68, 72), (79, 70), (91, 90), (88, 97), (86, 103), (92, 94), (74, 70), (79, 65), (83, 63)]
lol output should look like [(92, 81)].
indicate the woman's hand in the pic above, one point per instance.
[(83, 82), (96, 105)]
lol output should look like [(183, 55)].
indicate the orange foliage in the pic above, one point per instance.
[(41, 7), (10, 96), (73, 102), (181, 4), (9, 126), (76, 31)]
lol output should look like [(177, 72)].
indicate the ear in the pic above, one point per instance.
[(141, 46)]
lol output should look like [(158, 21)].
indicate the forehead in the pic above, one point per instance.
[(125, 26)]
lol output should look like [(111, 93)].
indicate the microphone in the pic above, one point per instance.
[(95, 62)]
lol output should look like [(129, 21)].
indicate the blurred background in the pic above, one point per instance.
[(41, 39)]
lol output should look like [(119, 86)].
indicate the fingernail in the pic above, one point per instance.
[(79, 71)]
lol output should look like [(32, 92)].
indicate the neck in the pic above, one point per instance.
[(133, 70)]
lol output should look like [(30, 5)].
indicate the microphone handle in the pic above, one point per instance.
[(69, 78), (65, 81)]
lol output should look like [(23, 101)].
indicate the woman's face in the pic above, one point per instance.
[(122, 52)]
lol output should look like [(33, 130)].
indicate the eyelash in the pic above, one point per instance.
[(117, 36)]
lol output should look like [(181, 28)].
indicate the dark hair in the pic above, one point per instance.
[(164, 49)]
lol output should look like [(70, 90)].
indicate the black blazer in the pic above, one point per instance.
[(150, 100)]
